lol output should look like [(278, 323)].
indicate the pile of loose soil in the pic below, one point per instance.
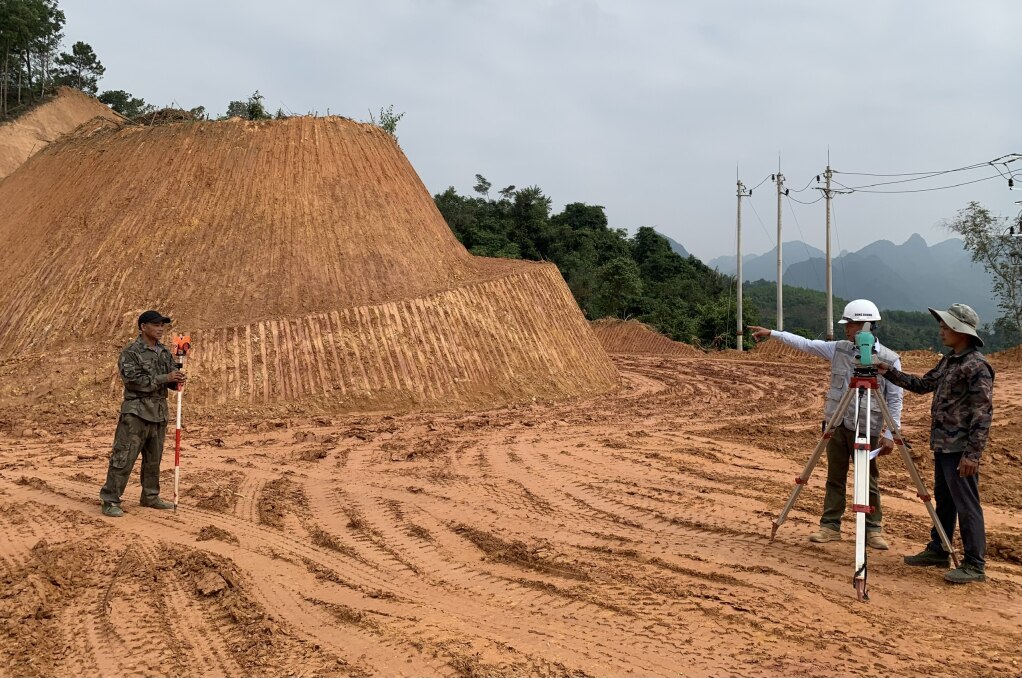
[(30, 133), (304, 257), (632, 336)]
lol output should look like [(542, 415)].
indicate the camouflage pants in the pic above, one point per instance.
[(135, 435)]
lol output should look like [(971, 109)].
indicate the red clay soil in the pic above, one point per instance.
[(632, 336), (627, 534), (305, 258), (1009, 358), (30, 133)]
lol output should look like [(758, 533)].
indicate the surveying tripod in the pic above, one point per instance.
[(863, 385)]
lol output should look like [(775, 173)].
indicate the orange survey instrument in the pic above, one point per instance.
[(182, 345)]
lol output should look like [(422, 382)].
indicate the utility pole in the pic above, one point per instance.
[(739, 280), (779, 179), (830, 278)]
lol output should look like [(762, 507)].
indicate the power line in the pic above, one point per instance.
[(844, 275), (809, 256), (765, 179), (1013, 156), (804, 201), (808, 184), (860, 189), (761, 224)]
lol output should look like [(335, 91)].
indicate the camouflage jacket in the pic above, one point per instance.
[(144, 372), (963, 407)]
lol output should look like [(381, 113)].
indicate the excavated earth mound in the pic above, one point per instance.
[(775, 349), (632, 336), (305, 258), (918, 360), (1011, 357), (69, 108)]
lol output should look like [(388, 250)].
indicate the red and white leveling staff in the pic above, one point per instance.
[(182, 344)]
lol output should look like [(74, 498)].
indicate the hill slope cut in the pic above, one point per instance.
[(304, 256), (25, 136)]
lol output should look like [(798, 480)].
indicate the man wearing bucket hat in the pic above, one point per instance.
[(840, 448), (962, 384), (148, 370)]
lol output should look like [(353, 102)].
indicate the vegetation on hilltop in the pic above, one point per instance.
[(609, 272), (805, 313)]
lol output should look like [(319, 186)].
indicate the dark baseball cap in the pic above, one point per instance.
[(152, 317)]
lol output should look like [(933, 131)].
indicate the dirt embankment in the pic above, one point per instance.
[(66, 111), (632, 336), (304, 257)]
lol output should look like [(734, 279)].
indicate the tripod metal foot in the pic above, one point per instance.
[(860, 591), (773, 530)]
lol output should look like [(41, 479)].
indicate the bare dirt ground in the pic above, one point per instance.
[(25, 136), (623, 535)]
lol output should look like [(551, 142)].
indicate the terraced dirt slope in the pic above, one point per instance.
[(28, 134), (304, 256), (632, 336), (624, 535)]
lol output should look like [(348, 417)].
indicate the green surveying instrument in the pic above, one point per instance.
[(863, 385)]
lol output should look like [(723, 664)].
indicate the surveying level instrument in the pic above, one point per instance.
[(182, 346), (864, 386)]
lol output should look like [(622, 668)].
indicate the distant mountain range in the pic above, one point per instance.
[(677, 247), (764, 266), (910, 276)]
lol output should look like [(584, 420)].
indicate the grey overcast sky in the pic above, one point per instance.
[(643, 106)]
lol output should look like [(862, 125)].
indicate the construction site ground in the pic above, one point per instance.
[(622, 535)]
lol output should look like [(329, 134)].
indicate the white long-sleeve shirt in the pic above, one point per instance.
[(826, 350)]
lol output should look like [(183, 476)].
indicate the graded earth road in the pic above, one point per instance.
[(620, 535)]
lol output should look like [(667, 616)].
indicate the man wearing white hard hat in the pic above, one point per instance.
[(962, 384), (840, 448)]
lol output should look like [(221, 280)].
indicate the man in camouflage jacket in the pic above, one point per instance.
[(962, 384), (148, 370)]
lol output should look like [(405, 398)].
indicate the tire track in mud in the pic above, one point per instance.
[(193, 633), (447, 555), (613, 535), (285, 596)]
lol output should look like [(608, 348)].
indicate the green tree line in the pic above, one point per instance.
[(805, 313), (609, 272), (612, 273), (31, 63)]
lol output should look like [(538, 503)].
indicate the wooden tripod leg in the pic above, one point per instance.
[(913, 471), (803, 478)]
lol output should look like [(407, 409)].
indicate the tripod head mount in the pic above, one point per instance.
[(869, 371)]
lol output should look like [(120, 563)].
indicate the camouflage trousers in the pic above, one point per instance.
[(135, 435)]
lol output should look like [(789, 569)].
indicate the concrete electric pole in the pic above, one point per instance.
[(830, 278), (779, 179), (738, 277)]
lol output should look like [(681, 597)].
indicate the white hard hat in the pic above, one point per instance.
[(860, 310)]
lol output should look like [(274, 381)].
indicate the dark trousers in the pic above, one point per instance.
[(135, 435), (840, 451), (957, 498)]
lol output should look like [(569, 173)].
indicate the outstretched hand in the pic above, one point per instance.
[(759, 333), (882, 367)]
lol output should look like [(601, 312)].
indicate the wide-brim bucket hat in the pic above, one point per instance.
[(960, 318)]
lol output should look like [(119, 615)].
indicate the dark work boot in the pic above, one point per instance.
[(112, 510), (966, 574), (928, 558), (157, 503)]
